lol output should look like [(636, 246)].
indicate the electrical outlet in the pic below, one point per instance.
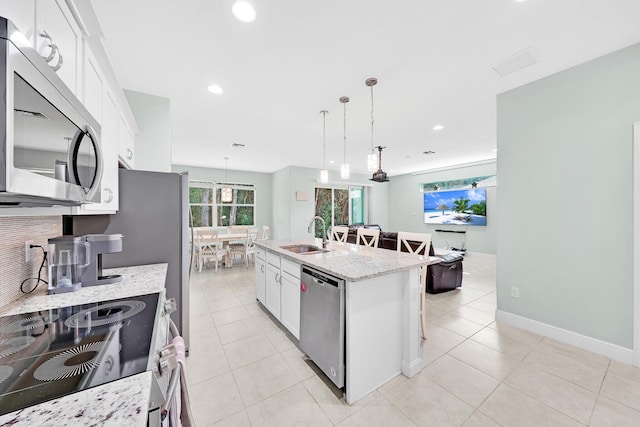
[(515, 292), (28, 255)]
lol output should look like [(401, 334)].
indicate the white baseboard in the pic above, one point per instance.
[(613, 351)]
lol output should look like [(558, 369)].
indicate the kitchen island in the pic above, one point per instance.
[(381, 310), (117, 403)]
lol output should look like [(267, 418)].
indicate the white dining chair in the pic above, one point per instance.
[(339, 233), (210, 248), (265, 232), (419, 244), (367, 237), (248, 250)]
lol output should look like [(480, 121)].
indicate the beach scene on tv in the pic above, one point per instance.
[(456, 207)]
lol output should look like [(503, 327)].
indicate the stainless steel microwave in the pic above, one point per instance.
[(50, 144)]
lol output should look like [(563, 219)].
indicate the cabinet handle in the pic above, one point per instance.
[(52, 45), (262, 269), (110, 193), (277, 279), (59, 64), (129, 154)]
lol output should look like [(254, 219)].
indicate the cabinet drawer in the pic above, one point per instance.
[(260, 253), (273, 259), (291, 267)]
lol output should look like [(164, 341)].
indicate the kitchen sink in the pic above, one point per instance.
[(304, 249)]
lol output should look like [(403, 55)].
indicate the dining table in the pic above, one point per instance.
[(225, 238)]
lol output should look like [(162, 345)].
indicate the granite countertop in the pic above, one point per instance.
[(349, 261), (138, 280), (118, 403)]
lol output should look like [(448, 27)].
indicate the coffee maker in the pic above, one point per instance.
[(76, 261), (100, 244), (68, 257)]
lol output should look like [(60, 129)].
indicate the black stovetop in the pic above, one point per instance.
[(48, 354)]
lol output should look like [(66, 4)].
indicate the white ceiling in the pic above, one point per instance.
[(433, 60)]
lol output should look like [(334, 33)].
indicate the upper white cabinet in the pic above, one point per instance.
[(102, 104), (65, 33), (23, 14), (59, 40), (126, 143)]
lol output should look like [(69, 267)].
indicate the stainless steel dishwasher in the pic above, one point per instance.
[(322, 322)]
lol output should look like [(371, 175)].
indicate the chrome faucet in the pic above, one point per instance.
[(324, 229)]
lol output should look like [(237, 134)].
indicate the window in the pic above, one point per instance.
[(239, 211), (340, 206)]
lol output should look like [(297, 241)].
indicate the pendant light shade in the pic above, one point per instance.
[(344, 171), (226, 193), (324, 173), (344, 167), (372, 157)]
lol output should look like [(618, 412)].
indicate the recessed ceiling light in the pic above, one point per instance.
[(215, 89), (243, 11), (438, 127), (332, 161)]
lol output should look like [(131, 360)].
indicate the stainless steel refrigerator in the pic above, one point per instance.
[(154, 220)]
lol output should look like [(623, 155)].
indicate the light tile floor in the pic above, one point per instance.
[(243, 370)]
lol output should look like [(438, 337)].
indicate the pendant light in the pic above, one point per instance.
[(372, 158), (324, 173), (226, 193), (344, 167)]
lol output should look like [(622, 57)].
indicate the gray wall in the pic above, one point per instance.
[(153, 142), (406, 206), (565, 207), (292, 217), (262, 182)]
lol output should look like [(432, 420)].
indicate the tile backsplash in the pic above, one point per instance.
[(14, 232)]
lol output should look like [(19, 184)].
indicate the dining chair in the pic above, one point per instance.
[(248, 249), (210, 248), (265, 232), (339, 233), (419, 244), (367, 237)]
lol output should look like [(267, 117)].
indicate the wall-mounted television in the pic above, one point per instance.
[(456, 207)]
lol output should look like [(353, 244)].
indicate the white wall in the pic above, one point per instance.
[(262, 182), (406, 209), (565, 208), (153, 142)]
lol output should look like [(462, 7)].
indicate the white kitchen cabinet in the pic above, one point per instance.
[(57, 26), (272, 290), (261, 275), (281, 296), (126, 143), (290, 297), (23, 14), (94, 85), (102, 104)]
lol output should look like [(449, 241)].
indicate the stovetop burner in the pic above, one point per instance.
[(105, 314), (28, 323), (5, 372), (72, 362), (46, 355), (14, 345)]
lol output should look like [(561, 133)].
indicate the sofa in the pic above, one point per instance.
[(442, 277)]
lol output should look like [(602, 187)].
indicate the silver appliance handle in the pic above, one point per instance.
[(72, 156), (178, 374)]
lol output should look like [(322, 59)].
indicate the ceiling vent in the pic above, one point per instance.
[(515, 63)]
